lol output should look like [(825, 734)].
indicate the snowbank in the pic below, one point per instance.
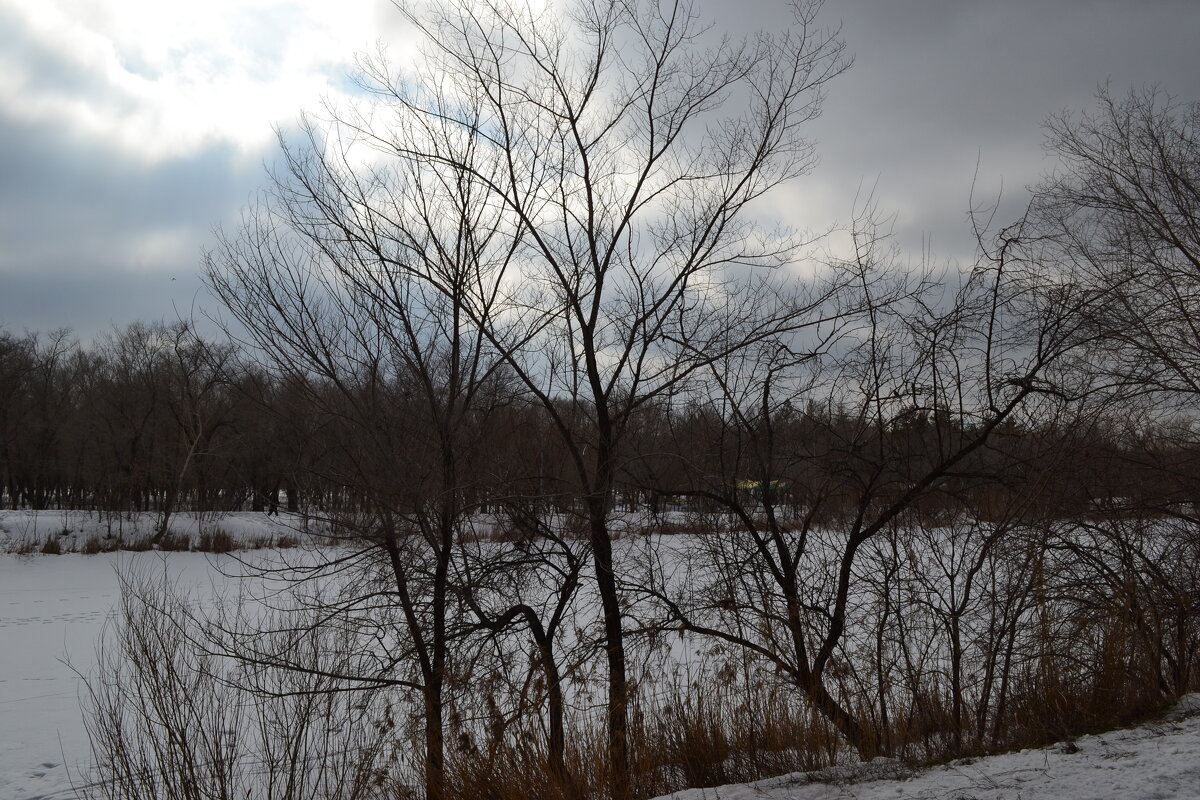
[(1155, 761), (90, 531)]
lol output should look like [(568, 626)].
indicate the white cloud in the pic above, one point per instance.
[(164, 78), (149, 250)]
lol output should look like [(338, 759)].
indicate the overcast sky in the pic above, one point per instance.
[(130, 128)]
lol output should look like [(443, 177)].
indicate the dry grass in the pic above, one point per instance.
[(97, 544), (705, 735), (215, 541)]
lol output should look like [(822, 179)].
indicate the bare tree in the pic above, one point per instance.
[(622, 146), (819, 457), (167, 720), (1121, 216), (377, 333), (530, 584), (194, 372)]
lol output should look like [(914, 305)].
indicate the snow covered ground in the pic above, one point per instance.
[(52, 611), (1155, 761)]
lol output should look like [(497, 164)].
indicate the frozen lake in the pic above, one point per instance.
[(52, 611)]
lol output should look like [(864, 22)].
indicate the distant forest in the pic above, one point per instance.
[(153, 417)]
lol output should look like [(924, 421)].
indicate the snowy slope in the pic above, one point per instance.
[(1156, 761)]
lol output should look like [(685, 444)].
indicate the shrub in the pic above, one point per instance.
[(173, 543), (165, 720), (216, 541)]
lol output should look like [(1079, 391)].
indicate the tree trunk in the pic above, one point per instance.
[(555, 703), (435, 766), (860, 738), (614, 649)]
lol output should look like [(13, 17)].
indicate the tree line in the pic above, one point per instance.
[(154, 417)]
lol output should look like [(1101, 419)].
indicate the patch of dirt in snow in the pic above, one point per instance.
[(1156, 761)]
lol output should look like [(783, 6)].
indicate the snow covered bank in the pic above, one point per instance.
[(1156, 761), (90, 531)]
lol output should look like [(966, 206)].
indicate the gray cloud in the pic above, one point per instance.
[(941, 88), (92, 301), (41, 68), (90, 234)]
